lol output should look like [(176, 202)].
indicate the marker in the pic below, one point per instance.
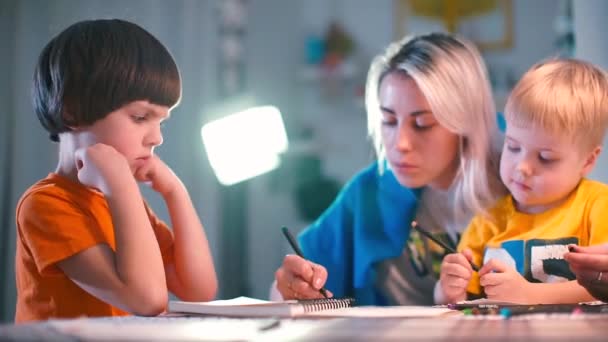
[(439, 242)]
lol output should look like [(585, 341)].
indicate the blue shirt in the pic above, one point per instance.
[(369, 221)]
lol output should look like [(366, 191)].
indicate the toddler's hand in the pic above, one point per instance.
[(504, 283), (100, 166), (161, 178), (456, 272)]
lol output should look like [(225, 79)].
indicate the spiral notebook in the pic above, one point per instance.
[(251, 307)]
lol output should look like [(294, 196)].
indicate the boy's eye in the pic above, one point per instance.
[(546, 159), (512, 148), (139, 118)]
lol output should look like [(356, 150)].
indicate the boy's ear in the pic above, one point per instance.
[(591, 160)]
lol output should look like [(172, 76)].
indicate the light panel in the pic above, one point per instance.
[(245, 144)]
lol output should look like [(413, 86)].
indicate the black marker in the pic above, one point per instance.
[(439, 242), (296, 248)]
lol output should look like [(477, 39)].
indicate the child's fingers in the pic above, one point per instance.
[(456, 283), (141, 174), (492, 266), (457, 258), (491, 291), (490, 279), (468, 254), (455, 271), (454, 287)]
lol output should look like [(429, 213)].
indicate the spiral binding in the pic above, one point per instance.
[(313, 305)]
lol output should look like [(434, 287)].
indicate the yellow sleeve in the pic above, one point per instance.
[(598, 221), (475, 238)]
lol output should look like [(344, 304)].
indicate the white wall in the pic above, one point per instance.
[(7, 36), (592, 45), (533, 40)]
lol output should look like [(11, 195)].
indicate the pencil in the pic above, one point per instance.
[(438, 241), (296, 248)]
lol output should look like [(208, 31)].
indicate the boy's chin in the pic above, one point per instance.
[(531, 206)]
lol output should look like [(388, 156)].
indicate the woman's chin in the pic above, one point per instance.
[(411, 181)]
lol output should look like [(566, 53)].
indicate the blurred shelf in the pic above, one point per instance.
[(345, 71)]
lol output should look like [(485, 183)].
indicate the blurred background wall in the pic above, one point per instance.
[(321, 102)]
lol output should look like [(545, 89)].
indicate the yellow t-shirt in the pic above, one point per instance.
[(534, 244), (57, 218)]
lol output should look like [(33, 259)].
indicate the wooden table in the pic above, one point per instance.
[(540, 327)]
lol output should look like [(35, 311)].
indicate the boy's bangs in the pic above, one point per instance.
[(539, 108), (154, 78)]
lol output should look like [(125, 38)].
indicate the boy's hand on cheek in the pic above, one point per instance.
[(161, 178), (100, 166), (501, 282)]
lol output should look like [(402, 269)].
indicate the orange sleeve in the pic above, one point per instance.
[(164, 236), (54, 228)]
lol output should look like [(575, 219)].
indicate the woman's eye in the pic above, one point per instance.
[(388, 121), (424, 122), (422, 127)]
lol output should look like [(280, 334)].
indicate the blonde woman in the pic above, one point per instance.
[(433, 124)]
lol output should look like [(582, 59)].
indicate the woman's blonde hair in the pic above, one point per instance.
[(568, 97), (450, 73)]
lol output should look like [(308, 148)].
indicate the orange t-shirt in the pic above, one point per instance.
[(58, 218)]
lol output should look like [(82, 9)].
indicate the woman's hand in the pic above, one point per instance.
[(590, 265), (298, 278), (456, 272)]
